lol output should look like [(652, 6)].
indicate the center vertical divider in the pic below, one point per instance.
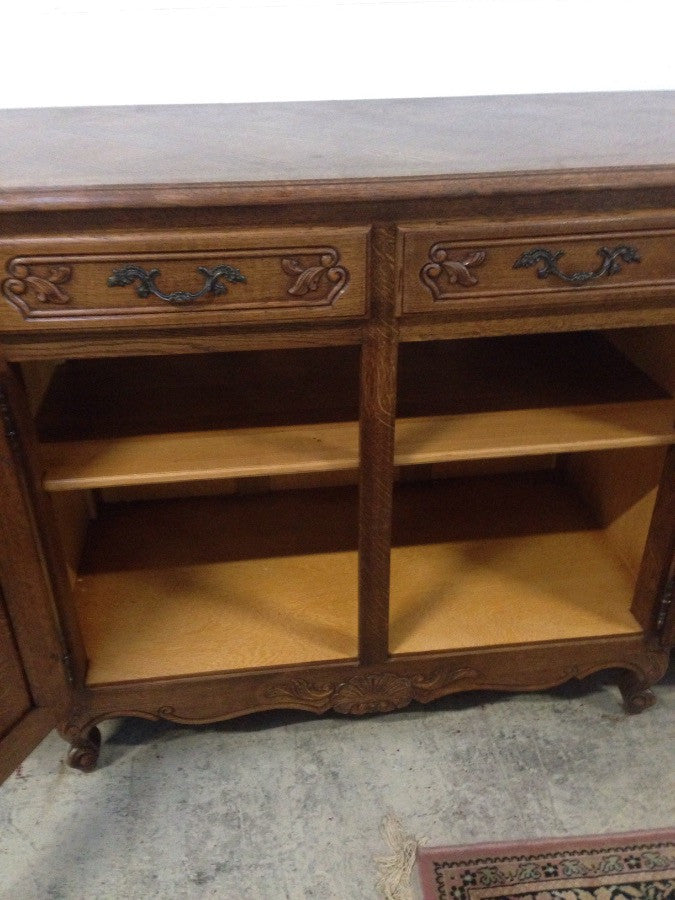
[(379, 352)]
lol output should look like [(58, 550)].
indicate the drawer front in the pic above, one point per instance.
[(497, 266), (184, 278)]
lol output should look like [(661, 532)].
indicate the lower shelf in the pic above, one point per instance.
[(501, 560), (189, 586), (181, 587)]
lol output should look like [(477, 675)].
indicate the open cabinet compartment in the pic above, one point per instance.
[(526, 472), (522, 557), (548, 459), (108, 423), (206, 584), (186, 554)]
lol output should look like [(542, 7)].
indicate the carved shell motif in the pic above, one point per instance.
[(372, 693)]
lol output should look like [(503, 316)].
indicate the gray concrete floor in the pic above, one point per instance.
[(286, 805)]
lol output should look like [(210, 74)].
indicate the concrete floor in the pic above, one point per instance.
[(288, 805)]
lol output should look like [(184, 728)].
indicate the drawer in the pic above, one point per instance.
[(474, 266), (183, 277)]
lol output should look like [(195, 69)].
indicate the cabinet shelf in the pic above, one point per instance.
[(532, 432), (182, 587), (330, 447), (147, 420), (200, 455), (502, 560), (108, 423)]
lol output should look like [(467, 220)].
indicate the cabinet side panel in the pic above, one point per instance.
[(653, 599), (652, 349), (72, 511), (620, 488), (631, 495)]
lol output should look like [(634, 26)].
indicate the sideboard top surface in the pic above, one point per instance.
[(64, 158)]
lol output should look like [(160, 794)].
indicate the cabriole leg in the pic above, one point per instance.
[(85, 745), (635, 684), (636, 693)]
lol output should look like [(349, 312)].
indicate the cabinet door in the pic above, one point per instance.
[(34, 685), (22, 724)]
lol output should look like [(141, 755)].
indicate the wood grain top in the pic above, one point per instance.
[(267, 153)]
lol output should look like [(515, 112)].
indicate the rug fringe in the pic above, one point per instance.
[(395, 870)]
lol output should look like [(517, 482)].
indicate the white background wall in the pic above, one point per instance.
[(78, 52)]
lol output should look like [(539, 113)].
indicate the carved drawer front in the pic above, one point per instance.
[(183, 277), (551, 264)]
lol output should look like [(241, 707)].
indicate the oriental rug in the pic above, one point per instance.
[(634, 866)]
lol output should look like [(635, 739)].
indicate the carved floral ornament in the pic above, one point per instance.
[(39, 283), (308, 278), (448, 268), (376, 692)]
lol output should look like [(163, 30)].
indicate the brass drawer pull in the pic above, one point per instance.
[(549, 263), (147, 286)]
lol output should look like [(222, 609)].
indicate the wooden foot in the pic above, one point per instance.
[(85, 746), (635, 691)]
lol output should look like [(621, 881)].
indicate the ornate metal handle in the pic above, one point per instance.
[(549, 260), (146, 282)]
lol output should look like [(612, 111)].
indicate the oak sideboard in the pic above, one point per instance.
[(332, 406)]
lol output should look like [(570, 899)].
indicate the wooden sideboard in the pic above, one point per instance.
[(332, 406)]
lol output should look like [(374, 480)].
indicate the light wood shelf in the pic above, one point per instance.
[(325, 447), (287, 413), (200, 455), (499, 561), (183, 587), (531, 432)]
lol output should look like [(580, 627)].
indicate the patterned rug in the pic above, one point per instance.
[(606, 867)]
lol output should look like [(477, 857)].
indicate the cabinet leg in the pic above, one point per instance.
[(636, 693), (85, 745), (635, 684)]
